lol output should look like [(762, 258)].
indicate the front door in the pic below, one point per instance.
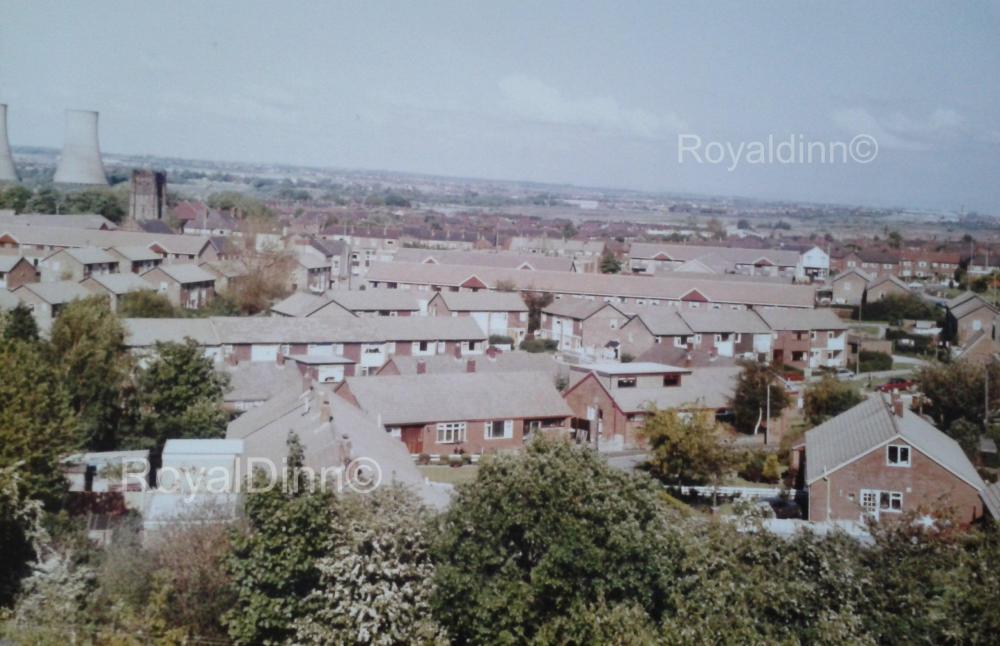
[(413, 438), (869, 503)]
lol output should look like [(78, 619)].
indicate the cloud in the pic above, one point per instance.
[(897, 130), (533, 100)]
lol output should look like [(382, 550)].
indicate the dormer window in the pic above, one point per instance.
[(897, 455)]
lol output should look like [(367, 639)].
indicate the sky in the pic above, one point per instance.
[(646, 95)]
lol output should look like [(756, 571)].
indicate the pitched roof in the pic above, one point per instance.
[(57, 292), (119, 284), (259, 381), (575, 308), (487, 301), (69, 237), (136, 253), (871, 424), (724, 320), (501, 362), (416, 399), (375, 299), (709, 388), (719, 288), (888, 278), (75, 221), (299, 304), (7, 263), (185, 273), (852, 271), (661, 320), (736, 255), (783, 318), (89, 255), (968, 305), (485, 259), (8, 300)]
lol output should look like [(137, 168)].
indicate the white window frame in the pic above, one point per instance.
[(507, 433), (900, 450), (452, 432)]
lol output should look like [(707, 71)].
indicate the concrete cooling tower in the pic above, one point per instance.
[(80, 161), (7, 171)]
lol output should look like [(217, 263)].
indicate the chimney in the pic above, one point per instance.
[(470, 365), (688, 361), (458, 350), (325, 414), (897, 405), (421, 367), (492, 352), (307, 381), (690, 345), (281, 359), (8, 173), (80, 161)]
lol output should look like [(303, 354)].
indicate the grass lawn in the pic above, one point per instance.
[(449, 475)]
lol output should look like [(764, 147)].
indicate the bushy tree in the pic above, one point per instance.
[(36, 422), (684, 449), (146, 304), (540, 536), (180, 395), (375, 585), (274, 563), (88, 349), (19, 324), (20, 522), (610, 264), (829, 398), (750, 396), (957, 390)]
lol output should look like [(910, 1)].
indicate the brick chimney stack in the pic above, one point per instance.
[(470, 365), (325, 412), (421, 367), (458, 350), (897, 405)]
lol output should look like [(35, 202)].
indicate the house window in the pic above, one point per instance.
[(890, 501), (500, 429), (897, 456), (829, 334), (627, 382), (671, 380), (451, 433), (423, 346)]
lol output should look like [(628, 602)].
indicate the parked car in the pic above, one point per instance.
[(895, 384), (843, 374)]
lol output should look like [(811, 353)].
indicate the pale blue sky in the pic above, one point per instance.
[(582, 92)]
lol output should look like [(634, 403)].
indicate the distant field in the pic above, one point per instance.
[(450, 475)]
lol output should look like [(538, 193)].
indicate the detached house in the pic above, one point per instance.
[(78, 263), (471, 412), (186, 285), (16, 271), (849, 286), (806, 339), (497, 313), (878, 460), (885, 285)]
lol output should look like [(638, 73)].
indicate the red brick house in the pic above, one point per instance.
[(610, 400), (806, 339), (186, 285), (878, 460), (586, 326), (497, 313), (476, 412), (16, 271)]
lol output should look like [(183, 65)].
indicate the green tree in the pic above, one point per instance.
[(20, 522), (180, 395), (750, 396), (274, 563), (15, 197), (610, 264), (829, 398), (684, 450), (102, 201), (540, 536), (146, 304), (88, 349), (19, 324), (36, 423), (957, 390), (44, 200)]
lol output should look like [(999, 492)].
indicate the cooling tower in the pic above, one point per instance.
[(80, 162), (7, 171)]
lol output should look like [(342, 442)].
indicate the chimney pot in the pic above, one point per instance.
[(421, 367)]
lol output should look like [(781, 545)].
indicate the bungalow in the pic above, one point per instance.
[(115, 286), (878, 460), (46, 300), (806, 339), (16, 271), (186, 285), (884, 286), (77, 264), (497, 313), (610, 400), (479, 412)]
